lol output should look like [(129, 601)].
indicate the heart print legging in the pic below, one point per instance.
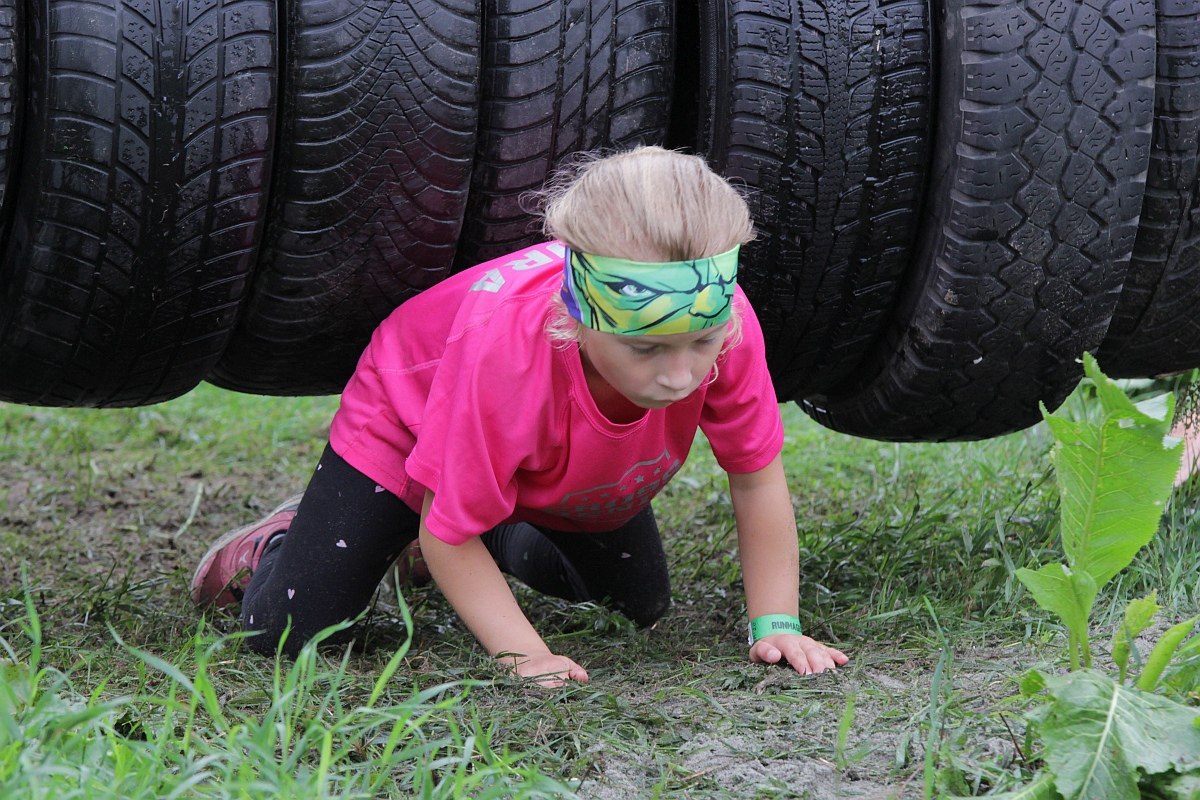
[(347, 531)]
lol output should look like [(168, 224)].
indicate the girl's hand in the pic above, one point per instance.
[(547, 670), (804, 654)]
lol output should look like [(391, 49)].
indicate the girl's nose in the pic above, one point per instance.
[(676, 375)]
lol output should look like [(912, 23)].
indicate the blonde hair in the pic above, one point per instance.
[(645, 204)]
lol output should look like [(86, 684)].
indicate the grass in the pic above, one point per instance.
[(113, 685)]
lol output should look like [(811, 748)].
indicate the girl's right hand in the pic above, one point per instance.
[(546, 669)]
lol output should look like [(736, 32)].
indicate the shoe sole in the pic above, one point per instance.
[(290, 504)]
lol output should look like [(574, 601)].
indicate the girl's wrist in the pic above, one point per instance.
[(514, 659), (519, 650), (769, 624)]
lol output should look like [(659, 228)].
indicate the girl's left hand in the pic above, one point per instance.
[(804, 653)]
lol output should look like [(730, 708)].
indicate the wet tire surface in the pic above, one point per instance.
[(141, 197), (823, 111), (1155, 329), (1042, 145), (12, 96), (375, 161)]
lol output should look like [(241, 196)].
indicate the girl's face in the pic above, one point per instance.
[(653, 371)]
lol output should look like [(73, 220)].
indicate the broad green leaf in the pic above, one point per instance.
[(1067, 593), (1098, 734), (1138, 615), (1114, 476), (1042, 788)]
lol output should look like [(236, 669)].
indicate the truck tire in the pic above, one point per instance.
[(1039, 168), (374, 163), (141, 197), (822, 109), (559, 77), (1155, 329)]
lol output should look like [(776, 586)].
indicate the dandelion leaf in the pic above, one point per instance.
[(1138, 616), (1098, 735), (1061, 591), (1114, 476)]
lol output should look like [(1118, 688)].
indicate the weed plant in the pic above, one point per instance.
[(1102, 736)]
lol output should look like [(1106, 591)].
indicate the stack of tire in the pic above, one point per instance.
[(954, 203)]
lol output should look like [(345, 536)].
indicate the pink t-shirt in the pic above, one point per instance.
[(462, 392)]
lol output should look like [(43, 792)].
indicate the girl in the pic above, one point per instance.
[(518, 418)]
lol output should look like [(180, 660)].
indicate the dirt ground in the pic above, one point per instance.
[(103, 535), (752, 747)]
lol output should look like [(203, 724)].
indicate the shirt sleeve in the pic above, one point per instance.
[(481, 423), (741, 414)]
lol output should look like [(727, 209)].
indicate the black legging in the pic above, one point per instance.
[(348, 531)]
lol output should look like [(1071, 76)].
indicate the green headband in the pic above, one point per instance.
[(636, 298)]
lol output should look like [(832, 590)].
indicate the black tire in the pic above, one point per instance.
[(374, 166), (1155, 329), (1040, 159), (12, 93), (560, 76), (141, 196), (823, 110)]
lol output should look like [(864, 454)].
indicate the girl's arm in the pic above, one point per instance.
[(770, 558), (475, 587)]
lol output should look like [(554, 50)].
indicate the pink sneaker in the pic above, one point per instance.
[(225, 570)]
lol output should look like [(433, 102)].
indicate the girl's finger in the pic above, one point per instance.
[(818, 657), (822, 659), (767, 652), (799, 660), (829, 657)]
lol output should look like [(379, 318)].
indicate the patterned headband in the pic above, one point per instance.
[(635, 298)]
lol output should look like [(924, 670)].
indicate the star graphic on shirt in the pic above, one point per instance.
[(640, 478)]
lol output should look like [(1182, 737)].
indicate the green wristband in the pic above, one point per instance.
[(773, 623)]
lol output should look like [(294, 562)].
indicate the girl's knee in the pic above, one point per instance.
[(652, 608), (263, 641), (264, 630)]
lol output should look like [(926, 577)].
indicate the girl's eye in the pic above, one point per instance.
[(644, 350)]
